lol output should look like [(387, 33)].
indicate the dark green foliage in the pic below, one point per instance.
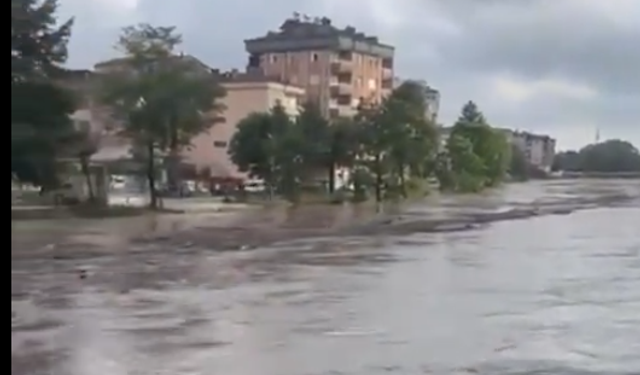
[(518, 166), (38, 45), (478, 155), (609, 156), (162, 98), (389, 148), (40, 123), (270, 146)]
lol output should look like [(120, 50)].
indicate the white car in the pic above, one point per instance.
[(254, 185)]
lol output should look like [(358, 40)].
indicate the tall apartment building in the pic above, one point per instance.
[(337, 67), (539, 150), (432, 102)]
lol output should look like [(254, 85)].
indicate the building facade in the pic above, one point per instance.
[(247, 93), (337, 67), (538, 150), (432, 103)]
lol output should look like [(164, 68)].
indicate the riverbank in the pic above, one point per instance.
[(268, 226), (309, 223)]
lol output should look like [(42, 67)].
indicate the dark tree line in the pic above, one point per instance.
[(390, 148), (40, 125), (608, 156)]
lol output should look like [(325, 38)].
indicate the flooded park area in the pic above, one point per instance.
[(535, 278)]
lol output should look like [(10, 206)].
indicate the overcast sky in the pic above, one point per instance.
[(563, 67)]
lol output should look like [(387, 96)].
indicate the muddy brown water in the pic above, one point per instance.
[(556, 294)]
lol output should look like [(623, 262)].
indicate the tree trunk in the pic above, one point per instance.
[(403, 182), (379, 181), (173, 161), (84, 167), (332, 177), (151, 176)]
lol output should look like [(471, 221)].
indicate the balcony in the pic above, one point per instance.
[(387, 83), (340, 66), (337, 110), (340, 86), (387, 73), (342, 63)]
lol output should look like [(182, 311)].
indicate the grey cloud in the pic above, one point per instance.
[(492, 36), (536, 44)]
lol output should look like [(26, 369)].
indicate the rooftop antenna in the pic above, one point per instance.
[(296, 16), (306, 18), (597, 135)]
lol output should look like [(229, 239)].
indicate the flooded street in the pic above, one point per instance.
[(557, 294)]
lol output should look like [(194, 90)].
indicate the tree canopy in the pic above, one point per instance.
[(383, 145), (40, 109), (609, 156), (161, 98), (477, 155)]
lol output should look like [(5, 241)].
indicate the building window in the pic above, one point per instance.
[(372, 84), (219, 144), (314, 57), (274, 58)]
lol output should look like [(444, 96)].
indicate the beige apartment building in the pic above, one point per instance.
[(337, 67), (246, 93)]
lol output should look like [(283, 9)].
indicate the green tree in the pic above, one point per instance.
[(375, 137), (413, 136), (161, 97), (489, 145), (608, 156), (344, 146), (518, 166), (40, 109), (38, 44), (466, 167), (270, 147), (315, 129)]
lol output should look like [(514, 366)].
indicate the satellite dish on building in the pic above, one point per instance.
[(306, 18), (296, 16)]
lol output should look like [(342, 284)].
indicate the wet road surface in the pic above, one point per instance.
[(547, 295)]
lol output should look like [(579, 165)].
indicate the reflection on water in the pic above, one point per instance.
[(551, 295)]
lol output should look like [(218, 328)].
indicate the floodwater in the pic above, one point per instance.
[(547, 295)]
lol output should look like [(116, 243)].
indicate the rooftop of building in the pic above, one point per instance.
[(529, 135), (181, 57), (319, 32), (253, 76), (304, 26)]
